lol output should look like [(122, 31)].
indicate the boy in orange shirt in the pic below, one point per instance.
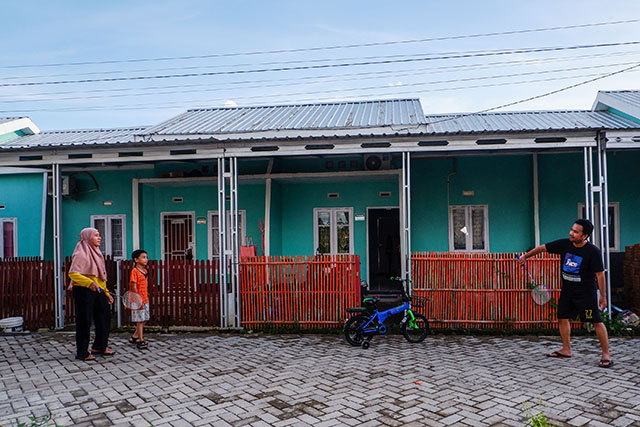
[(138, 284)]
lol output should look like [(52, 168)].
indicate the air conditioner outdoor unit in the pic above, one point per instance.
[(374, 162), (67, 185)]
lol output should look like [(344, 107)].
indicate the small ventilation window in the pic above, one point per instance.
[(182, 152), (80, 156), (1, 207), (550, 139), (319, 147), (385, 194), (375, 144), (177, 199), (130, 154), (333, 195), (266, 148), (27, 158), (433, 143)]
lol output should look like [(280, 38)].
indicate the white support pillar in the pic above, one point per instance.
[(229, 271), (405, 217), (235, 244), (222, 242), (603, 200), (57, 246)]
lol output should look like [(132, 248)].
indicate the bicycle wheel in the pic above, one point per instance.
[(353, 330), (416, 334)]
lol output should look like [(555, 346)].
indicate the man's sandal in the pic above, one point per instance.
[(133, 339), (142, 345), (558, 355), (606, 363)]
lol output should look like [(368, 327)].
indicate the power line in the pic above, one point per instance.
[(323, 48), (198, 103), (415, 84), (325, 66), (338, 77), (553, 92)]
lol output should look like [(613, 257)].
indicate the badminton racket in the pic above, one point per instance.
[(540, 292)]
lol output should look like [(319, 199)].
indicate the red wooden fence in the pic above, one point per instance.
[(466, 290), (26, 290), (484, 289), (181, 293), (305, 291)]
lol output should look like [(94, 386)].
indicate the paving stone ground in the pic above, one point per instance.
[(190, 379)]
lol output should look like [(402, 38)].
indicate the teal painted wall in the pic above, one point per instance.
[(561, 188), (22, 197), (502, 182), (299, 200), (114, 186), (198, 199), (624, 187), (275, 238)]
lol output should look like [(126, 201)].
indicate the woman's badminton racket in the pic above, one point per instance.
[(540, 292)]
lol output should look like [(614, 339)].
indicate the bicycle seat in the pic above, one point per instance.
[(371, 301)]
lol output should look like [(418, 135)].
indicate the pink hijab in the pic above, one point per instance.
[(87, 258)]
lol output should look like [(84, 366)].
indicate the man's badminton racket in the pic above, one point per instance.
[(540, 292)]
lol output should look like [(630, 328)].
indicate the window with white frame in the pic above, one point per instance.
[(614, 224), (469, 228), (214, 237), (8, 237), (112, 230), (333, 230)]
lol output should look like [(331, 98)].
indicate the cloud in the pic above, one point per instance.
[(229, 103)]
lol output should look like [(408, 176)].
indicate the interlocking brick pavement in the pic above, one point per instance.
[(262, 380)]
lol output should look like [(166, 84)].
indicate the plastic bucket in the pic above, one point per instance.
[(11, 324)]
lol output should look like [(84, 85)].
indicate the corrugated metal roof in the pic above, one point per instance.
[(74, 137), (523, 121), (336, 115), (8, 119), (630, 97)]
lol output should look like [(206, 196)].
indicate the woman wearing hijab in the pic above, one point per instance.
[(92, 299)]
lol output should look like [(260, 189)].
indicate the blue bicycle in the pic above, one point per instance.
[(360, 329)]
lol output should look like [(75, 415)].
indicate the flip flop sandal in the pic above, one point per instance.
[(558, 355), (142, 345), (107, 352), (89, 358), (133, 339), (605, 363)]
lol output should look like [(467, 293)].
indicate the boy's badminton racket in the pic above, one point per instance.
[(132, 300), (540, 292)]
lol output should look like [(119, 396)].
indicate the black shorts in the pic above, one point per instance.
[(576, 301)]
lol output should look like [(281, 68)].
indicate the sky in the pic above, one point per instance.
[(76, 65)]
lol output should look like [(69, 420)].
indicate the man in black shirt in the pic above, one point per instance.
[(582, 276)]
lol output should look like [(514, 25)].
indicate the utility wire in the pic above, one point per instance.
[(323, 48), (312, 67), (332, 78), (414, 84), (553, 92), (198, 103)]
